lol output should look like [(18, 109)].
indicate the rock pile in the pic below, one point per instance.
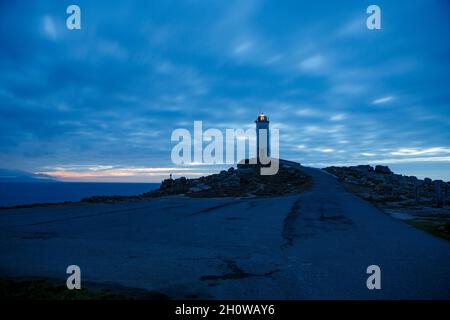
[(246, 180), (381, 185)]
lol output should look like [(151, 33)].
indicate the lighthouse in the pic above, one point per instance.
[(262, 136)]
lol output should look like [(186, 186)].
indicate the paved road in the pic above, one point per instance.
[(316, 245)]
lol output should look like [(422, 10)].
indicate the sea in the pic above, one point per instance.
[(20, 193)]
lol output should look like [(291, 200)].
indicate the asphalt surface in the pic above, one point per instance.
[(315, 245)]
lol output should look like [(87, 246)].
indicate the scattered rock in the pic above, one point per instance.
[(246, 180), (382, 187)]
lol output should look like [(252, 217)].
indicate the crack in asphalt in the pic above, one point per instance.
[(288, 232), (219, 206), (236, 273)]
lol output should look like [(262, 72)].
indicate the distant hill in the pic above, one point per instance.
[(7, 175)]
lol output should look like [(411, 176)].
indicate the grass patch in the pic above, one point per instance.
[(437, 229), (51, 289), (48, 290)]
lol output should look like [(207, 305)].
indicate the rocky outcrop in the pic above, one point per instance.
[(246, 180), (381, 185)]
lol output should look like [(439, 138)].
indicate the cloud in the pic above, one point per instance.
[(416, 152), (383, 100), (313, 63), (411, 160), (274, 59), (348, 88), (243, 47), (113, 49), (115, 97), (368, 154), (387, 161), (337, 117), (324, 150), (308, 112), (354, 27), (114, 173), (49, 28)]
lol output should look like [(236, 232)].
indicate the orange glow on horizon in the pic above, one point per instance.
[(123, 174)]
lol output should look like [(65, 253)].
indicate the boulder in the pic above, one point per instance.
[(383, 169), (383, 188), (364, 168), (194, 189)]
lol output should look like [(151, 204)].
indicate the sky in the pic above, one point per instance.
[(101, 103)]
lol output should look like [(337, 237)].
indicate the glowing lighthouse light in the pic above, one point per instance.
[(262, 137)]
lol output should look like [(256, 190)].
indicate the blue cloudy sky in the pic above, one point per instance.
[(100, 103)]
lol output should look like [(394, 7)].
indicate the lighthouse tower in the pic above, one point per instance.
[(262, 136)]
